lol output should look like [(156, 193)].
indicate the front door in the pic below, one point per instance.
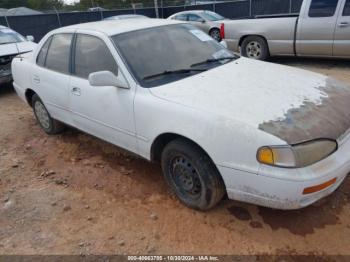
[(342, 32), (315, 33), (104, 111)]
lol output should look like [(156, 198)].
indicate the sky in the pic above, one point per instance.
[(70, 1)]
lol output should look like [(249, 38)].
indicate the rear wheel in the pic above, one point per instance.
[(255, 47), (192, 175), (47, 123), (215, 33)]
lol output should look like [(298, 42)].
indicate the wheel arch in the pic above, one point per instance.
[(213, 28), (162, 140), (247, 35), (29, 93)]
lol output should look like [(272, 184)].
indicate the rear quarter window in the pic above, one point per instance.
[(181, 17), (43, 52)]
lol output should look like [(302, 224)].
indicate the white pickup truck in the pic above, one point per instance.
[(321, 30)]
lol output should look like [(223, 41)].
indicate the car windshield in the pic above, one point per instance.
[(211, 16), (164, 54), (8, 36)]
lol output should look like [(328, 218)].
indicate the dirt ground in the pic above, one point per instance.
[(75, 194)]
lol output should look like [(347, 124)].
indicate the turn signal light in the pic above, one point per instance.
[(265, 155), (319, 187)]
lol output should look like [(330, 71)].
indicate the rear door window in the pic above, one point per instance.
[(323, 8), (59, 53)]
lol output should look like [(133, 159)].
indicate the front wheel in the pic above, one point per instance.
[(255, 47), (48, 124), (192, 175)]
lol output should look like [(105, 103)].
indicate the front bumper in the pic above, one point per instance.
[(282, 188), (5, 77)]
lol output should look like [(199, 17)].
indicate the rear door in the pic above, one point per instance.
[(342, 32), (315, 34), (51, 76)]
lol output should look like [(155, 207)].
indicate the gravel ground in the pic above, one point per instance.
[(75, 194)]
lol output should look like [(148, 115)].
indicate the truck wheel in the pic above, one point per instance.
[(255, 47), (47, 123), (192, 175), (215, 33)]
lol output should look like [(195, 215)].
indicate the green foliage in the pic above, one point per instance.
[(45, 4), (13, 3)]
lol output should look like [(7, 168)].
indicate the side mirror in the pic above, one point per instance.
[(30, 38), (107, 78)]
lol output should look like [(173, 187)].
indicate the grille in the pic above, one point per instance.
[(5, 64)]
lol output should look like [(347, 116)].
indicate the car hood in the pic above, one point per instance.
[(12, 49), (292, 104)]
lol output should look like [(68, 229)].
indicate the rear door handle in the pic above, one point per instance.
[(343, 24), (76, 91)]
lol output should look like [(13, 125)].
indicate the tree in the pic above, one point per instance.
[(45, 4), (13, 3)]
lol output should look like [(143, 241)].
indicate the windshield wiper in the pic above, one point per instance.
[(212, 60), (170, 72)]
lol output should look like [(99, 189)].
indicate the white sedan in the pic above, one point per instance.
[(219, 124), (11, 44)]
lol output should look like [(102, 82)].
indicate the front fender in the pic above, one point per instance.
[(228, 142)]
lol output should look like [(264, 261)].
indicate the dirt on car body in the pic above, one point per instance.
[(75, 194)]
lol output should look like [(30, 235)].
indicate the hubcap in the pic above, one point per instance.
[(215, 34), (186, 177), (42, 115), (253, 50)]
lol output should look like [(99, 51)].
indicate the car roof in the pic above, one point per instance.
[(191, 11), (114, 27), (125, 16)]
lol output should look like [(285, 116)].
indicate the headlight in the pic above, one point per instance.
[(299, 155)]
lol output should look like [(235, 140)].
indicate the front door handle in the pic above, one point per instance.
[(76, 91), (343, 24)]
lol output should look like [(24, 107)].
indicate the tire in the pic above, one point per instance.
[(47, 123), (215, 33), (192, 175), (255, 47)]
